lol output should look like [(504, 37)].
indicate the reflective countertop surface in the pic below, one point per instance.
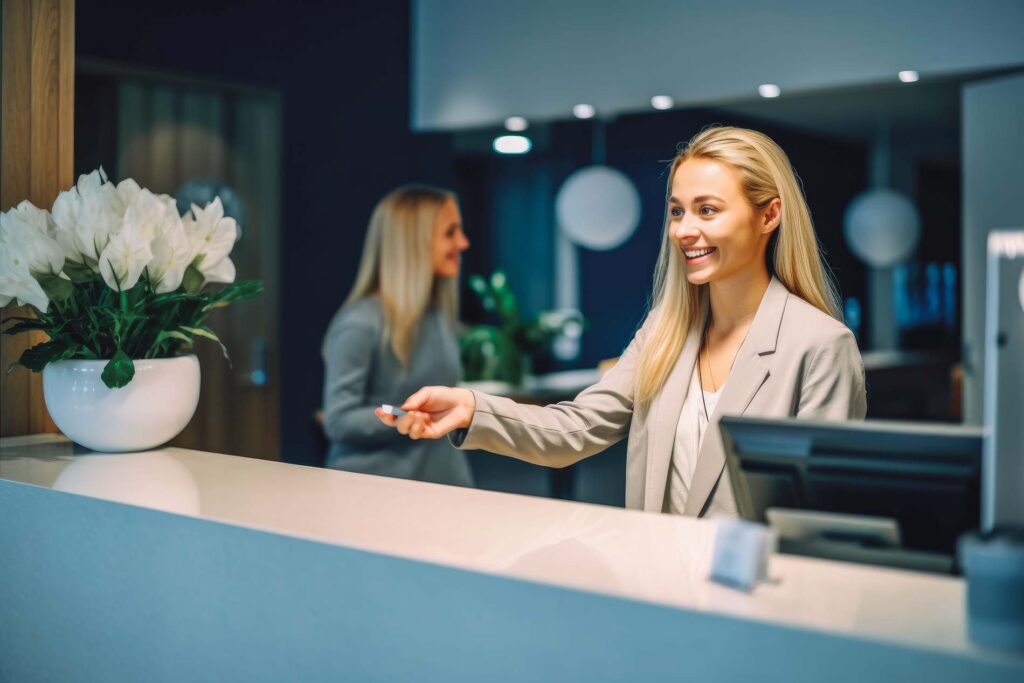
[(656, 558)]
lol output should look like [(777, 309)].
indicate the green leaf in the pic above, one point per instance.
[(173, 297), (105, 295), (155, 350), (193, 280), (57, 288), (173, 334), (488, 353), (240, 291), (483, 291), (118, 371), (35, 358), (477, 284), (78, 272), (209, 334), (508, 309), (498, 280)]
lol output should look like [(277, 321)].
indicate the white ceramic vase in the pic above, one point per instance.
[(149, 411)]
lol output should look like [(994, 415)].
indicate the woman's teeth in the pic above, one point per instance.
[(697, 253)]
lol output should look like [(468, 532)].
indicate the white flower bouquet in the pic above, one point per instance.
[(115, 273)]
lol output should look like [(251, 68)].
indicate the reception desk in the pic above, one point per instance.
[(178, 565)]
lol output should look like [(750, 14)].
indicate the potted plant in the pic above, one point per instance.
[(118, 281), (505, 351)]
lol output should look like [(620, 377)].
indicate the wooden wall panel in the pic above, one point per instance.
[(37, 139)]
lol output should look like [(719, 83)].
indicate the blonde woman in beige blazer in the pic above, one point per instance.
[(744, 321)]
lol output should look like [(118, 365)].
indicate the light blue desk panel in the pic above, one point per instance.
[(94, 590)]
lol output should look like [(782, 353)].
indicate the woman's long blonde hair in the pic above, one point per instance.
[(794, 255), (397, 264)]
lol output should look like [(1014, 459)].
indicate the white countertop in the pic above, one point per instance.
[(641, 556)]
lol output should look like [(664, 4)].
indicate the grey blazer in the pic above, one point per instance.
[(362, 371), (795, 362)]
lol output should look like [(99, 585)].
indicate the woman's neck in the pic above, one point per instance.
[(734, 301)]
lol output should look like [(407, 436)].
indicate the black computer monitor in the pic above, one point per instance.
[(925, 476)]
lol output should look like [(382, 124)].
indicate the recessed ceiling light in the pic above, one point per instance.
[(584, 111), (769, 90), (512, 144), (516, 124), (909, 76), (662, 102)]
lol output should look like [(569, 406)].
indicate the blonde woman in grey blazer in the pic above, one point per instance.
[(394, 334), (744, 321)]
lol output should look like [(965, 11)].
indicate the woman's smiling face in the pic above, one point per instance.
[(713, 223), (449, 240)]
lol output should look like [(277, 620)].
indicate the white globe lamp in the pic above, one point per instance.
[(882, 227)]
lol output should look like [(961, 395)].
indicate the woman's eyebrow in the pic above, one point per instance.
[(696, 200)]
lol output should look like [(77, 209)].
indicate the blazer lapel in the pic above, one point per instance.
[(665, 414), (748, 375), (744, 382)]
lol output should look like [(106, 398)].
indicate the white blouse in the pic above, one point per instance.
[(690, 430)]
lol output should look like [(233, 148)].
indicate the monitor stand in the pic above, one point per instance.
[(851, 538)]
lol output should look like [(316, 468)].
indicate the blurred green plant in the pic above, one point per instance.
[(504, 350)]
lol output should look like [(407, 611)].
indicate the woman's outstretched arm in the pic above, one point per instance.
[(556, 435)]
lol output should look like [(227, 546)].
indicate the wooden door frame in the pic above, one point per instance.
[(37, 138)]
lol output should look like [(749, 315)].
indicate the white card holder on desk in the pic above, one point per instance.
[(741, 552)]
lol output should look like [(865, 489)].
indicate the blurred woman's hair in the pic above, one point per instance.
[(793, 254), (397, 264)]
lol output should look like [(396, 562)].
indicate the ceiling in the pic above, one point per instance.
[(923, 115)]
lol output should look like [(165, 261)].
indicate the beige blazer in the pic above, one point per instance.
[(795, 362)]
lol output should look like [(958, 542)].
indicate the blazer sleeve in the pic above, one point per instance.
[(348, 357), (560, 434), (833, 383)]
